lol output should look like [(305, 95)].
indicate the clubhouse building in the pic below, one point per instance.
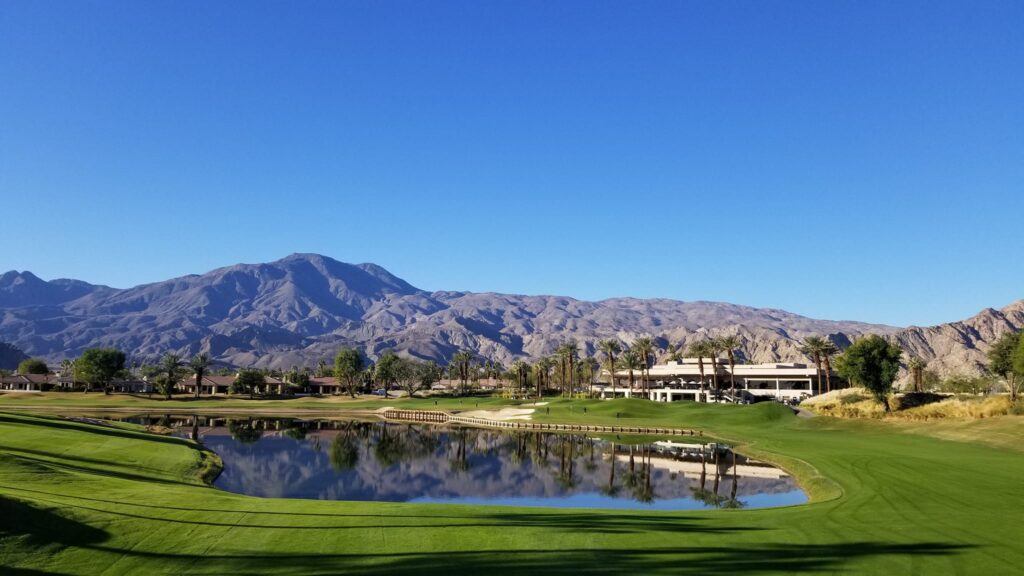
[(675, 381)]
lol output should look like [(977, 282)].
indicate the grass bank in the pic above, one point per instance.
[(85, 499)]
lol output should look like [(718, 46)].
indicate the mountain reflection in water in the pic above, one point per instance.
[(378, 461)]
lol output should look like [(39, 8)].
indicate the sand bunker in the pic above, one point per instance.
[(503, 414)]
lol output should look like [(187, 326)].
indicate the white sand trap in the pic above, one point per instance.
[(537, 404), (503, 414)]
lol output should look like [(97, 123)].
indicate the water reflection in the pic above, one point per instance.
[(353, 460)]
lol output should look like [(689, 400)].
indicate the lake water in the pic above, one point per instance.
[(378, 461)]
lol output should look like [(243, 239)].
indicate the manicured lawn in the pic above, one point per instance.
[(83, 499)]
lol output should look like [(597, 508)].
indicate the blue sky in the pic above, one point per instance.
[(846, 160)]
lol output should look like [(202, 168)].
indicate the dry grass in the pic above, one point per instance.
[(857, 403), (960, 407)]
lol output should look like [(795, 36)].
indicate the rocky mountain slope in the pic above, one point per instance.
[(961, 347), (302, 308)]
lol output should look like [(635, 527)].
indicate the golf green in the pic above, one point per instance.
[(78, 498)]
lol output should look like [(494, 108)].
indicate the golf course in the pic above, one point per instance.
[(886, 498)]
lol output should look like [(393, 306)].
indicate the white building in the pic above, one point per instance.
[(674, 381)]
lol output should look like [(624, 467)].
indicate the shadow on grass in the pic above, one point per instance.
[(52, 422), (22, 455), (41, 530), (741, 559), (573, 522), (25, 530)]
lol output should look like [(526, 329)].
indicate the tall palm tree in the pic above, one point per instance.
[(644, 347), (699, 350), (610, 347), (729, 345), (199, 363), (812, 348), (917, 366), (714, 349), (170, 368), (545, 366), (631, 361), (461, 360), (519, 368), (572, 351), (827, 352)]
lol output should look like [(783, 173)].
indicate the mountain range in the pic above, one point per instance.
[(302, 308)]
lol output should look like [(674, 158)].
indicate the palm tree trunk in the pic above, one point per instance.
[(732, 376)]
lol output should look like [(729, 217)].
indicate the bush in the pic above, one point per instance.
[(33, 366), (961, 384)]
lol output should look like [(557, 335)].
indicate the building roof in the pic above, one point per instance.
[(29, 379), (689, 367), (324, 381)]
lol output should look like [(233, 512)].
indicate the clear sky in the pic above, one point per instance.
[(845, 160)]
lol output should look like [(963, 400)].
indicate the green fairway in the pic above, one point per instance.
[(85, 499)]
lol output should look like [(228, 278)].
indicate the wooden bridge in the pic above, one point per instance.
[(439, 417)]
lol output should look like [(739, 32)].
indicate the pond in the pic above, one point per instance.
[(378, 461)]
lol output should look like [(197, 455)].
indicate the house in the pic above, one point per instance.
[(28, 382), (211, 385), (325, 385)]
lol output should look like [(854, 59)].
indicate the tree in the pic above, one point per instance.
[(248, 381), (1018, 369), (413, 375), (521, 370), (569, 351), (873, 363), (729, 345), (170, 372), (813, 347), (828, 350), (916, 367), (1001, 362), (461, 361), (98, 366), (199, 363), (631, 361), (33, 366), (387, 371), (610, 347), (714, 349), (644, 347), (700, 349), (348, 365)]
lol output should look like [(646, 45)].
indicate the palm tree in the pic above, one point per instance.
[(571, 351), (714, 349), (812, 348), (519, 368), (199, 363), (461, 360), (170, 368), (544, 366), (827, 352), (588, 368), (631, 360), (917, 366), (610, 347), (644, 347), (729, 345), (700, 349)]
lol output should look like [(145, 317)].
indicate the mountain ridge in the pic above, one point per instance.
[(301, 308)]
